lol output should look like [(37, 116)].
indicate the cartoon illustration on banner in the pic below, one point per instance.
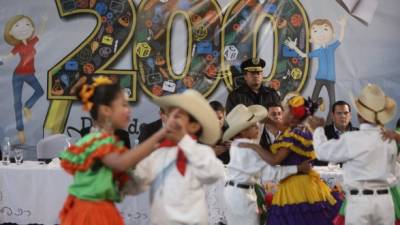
[(322, 35), (19, 32)]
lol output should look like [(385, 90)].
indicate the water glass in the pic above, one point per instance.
[(5, 151), (18, 155), (5, 156)]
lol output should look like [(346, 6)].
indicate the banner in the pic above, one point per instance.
[(155, 48)]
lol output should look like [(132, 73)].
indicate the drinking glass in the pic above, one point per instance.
[(5, 156), (18, 155), (5, 151)]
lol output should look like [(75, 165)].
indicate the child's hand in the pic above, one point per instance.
[(245, 145), (227, 144), (390, 135), (252, 146), (219, 149), (304, 167), (314, 122), (161, 133)]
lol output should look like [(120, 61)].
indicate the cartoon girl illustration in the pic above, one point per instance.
[(19, 32)]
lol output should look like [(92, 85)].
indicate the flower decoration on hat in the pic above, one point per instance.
[(297, 107), (300, 107), (87, 91)]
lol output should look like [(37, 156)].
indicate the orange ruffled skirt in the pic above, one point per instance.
[(83, 212)]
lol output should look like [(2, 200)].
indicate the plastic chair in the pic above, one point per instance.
[(49, 147)]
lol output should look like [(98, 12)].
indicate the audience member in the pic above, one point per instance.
[(221, 148), (341, 123), (146, 130), (270, 131)]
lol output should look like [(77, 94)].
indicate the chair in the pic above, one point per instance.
[(49, 147)]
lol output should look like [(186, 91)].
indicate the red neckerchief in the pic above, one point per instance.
[(181, 159)]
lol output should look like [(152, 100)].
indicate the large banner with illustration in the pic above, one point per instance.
[(154, 48)]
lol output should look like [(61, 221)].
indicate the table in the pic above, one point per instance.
[(35, 193)]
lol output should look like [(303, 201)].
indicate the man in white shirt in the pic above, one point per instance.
[(369, 163), (246, 167)]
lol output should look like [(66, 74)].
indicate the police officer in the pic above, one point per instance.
[(252, 91)]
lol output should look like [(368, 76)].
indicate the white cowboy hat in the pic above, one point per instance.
[(374, 106), (196, 105), (242, 117)]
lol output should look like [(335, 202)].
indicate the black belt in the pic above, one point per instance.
[(239, 185), (369, 192)]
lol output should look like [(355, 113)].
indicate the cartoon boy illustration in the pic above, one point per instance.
[(322, 35), (19, 32)]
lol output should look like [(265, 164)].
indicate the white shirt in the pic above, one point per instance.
[(246, 166), (368, 160), (271, 136), (337, 131), (177, 199)]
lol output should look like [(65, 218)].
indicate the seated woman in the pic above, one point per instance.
[(301, 199)]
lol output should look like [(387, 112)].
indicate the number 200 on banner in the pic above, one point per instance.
[(216, 44)]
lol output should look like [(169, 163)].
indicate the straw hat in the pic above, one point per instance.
[(196, 105), (242, 117), (374, 106)]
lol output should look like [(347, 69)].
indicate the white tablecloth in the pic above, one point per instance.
[(34, 193)]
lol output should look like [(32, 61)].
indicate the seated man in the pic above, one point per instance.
[(221, 148), (146, 130), (341, 116), (270, 131)]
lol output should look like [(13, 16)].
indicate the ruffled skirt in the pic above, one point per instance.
[(303, 200), (83, 212)]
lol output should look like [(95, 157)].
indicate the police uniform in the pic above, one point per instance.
[(244, 95)]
